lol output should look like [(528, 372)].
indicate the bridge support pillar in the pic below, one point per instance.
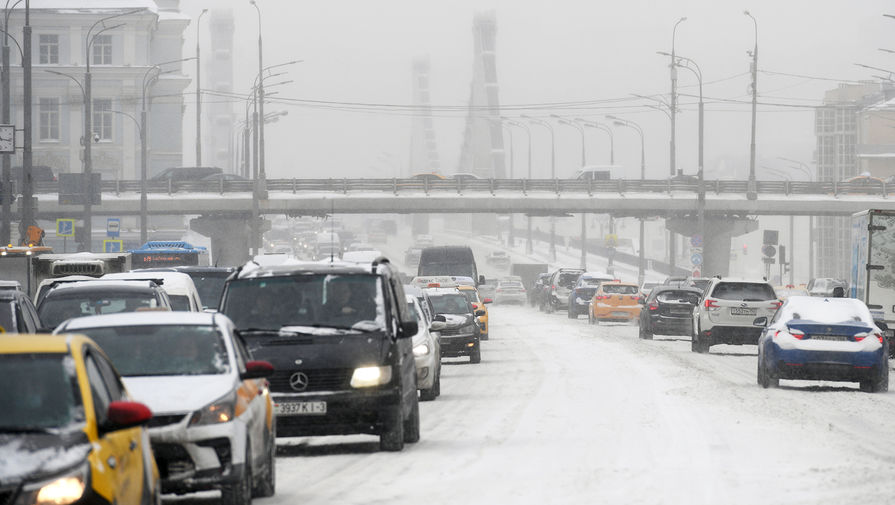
[(230, 236), (716, 243), (419, 224)]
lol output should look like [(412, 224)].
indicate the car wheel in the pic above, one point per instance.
[(267, 485), (427, 395), (240, 492), (412, 424), (590, 318), (699, 343), (392, 439), (571, 313), (645, 334), (878, 384), (765, 379), (476, 356)]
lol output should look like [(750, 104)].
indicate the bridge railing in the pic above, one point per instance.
[(492, 186)]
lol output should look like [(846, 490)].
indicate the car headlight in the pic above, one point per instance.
[(219, 411), (60, 491), (371, 376), (421, 350)]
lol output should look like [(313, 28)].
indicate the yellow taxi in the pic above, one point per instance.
[(472, 295), (70, 427), (615, 301)]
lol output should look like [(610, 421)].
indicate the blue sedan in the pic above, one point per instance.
[(813, 338)]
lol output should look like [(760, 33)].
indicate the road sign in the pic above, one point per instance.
[(113, 227), (696, 259), (696, 241), (697, 273), (65, 227), (113, 246), (768, 250)]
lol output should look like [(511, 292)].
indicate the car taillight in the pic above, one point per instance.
[(776, 305), (634, 297), (861, 336), (709, 303), (654, 306), (498, 290), (800, 335), (523, 290)]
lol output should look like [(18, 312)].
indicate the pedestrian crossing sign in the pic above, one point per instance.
[(113, 246)]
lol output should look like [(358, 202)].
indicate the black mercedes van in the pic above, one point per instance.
[(449, 260), (339, 337)]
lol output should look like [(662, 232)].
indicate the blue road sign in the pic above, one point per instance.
[(696, 259), (65, 227), (113, 246), (113, 227), (696, 241)]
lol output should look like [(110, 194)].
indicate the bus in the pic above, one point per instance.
[(168, 253)]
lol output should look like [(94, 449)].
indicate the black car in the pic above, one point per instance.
[(91, 298), (339, 338), (461, 335), (537, 289), (17, 313), (668, 310)]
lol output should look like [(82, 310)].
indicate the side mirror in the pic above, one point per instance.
[(439, 318), (479, 313), (409, 329), (487, 300), (257, 370), (482, 279), (760, 321), (122, 415), (437, 325)]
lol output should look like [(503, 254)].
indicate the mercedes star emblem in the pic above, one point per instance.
[(298, 381)]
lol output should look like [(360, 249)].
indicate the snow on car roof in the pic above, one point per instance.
[(142, 319), (178, 282), (824, 310)]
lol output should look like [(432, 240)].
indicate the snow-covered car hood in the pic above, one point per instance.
[(34, 456), (178, 393), (457, 320)]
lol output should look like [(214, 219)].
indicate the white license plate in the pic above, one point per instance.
[(300, 408), (738, 311), (836, 338), (620, 314)]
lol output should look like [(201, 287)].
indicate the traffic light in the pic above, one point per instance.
[(745, 249)]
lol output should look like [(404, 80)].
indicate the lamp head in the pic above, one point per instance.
[(204, 11)]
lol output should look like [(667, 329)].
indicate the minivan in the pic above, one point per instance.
[(449, 260)]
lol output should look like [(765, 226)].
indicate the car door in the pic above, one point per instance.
[(403, 346), (120, 452), (254, 400)]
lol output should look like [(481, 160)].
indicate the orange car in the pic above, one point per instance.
[(615, 301)]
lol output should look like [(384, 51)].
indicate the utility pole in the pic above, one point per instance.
[(5, 232), (199, 93), (27, 184), (751, 191)]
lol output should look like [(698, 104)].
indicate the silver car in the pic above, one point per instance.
[(510, 292), (426, 352), (726, 312)]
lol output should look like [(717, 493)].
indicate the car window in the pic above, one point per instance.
[(745, 291), (677, 297), (180, 303), (619, 289), (210, 286), (113, 383), (354, 301), (149, 350), (451, 304), (825, 311), (56, 309), (567, 280), (44, 393), (8, 317), (98, 391), (471, 296)]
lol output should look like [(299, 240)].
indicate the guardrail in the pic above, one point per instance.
[(492, 186)]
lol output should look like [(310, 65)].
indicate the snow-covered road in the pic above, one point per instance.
[(563, 412)]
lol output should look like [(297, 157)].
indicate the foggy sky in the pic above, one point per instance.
[(557, 51)]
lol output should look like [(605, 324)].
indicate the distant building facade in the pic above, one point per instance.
[(853, 134), (121, 60), (221, 144)]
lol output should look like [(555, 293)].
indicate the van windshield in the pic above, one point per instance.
[(464, 269), (346, 302)]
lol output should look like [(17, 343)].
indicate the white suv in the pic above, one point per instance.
[(727, 309)]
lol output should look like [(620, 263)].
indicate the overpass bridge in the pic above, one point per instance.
[(229, 212)]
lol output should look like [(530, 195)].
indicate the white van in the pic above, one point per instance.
[(178, 285)]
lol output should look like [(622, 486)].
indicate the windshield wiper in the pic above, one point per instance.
[(260, 331), (24, 429), (332, 327)]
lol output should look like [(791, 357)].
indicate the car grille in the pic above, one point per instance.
[(158, 421), (325, 379), (453, 332), (172, 460)]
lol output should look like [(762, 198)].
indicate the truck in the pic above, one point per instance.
[(528, 272), (873, 266)]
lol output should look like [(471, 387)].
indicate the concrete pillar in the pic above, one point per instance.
[(230, 237), (419, 224), (716, 243)]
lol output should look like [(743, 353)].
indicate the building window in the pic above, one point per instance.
[(102, 119), (49, 118), (102, 50), (49, 49)]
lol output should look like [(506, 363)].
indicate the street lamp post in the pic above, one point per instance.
[(751, 191), (529, 246), (580, 129), (262, 177), (608, 130), (673, 107), (811, 177), (511, 236), (549, 127), (641, 262), (198, 93), (6, 233)]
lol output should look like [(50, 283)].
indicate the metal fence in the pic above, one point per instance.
[(492, 186)]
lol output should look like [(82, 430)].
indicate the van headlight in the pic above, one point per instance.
[(219, 411), (421, 350), (60, 491), (370, 376)]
